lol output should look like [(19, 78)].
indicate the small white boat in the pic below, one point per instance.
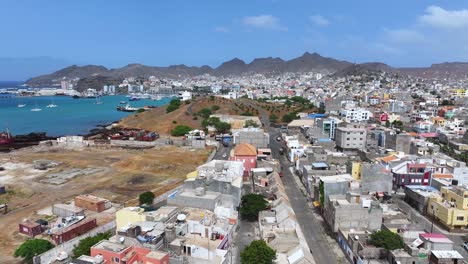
[(36, 109), (21, 105), (52, 106), (98, 100)]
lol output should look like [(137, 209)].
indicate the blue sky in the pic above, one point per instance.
[(41, 36)]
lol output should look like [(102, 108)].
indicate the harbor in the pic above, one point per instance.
[(64, 115)]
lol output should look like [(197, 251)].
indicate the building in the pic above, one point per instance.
[(253, 136), (355, 114), (247, 154), (66, 210), (418, 196), (29, 228), (114, 252), (133, 215), (92, 203), (411, 173), (451, 207), (328, 125), (351, 137), (72, 231), (214, 183), (353, 210)]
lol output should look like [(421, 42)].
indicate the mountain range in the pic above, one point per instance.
[(308, 62)]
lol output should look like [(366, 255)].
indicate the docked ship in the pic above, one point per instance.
[(6, 140), (127, 108)]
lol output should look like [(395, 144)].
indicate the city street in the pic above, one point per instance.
[(313, 231)]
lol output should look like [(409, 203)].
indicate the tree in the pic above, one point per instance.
[(173, 105), (251, 205), (273, 118), (210, 121), (250, 123), (31, 248), (222, 127), (84, 247), (180, 130), (446, 102), (205, 113), (386, 239), (258, 252), (214, 108), (247, 113), (289, 117), (146, 198), (397, 124)]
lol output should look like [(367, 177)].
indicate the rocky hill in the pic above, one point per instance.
[(308, 62)]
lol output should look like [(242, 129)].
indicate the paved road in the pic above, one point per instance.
[(313, 231), (221, 151)]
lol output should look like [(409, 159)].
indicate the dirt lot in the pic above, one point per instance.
[(116, 174)]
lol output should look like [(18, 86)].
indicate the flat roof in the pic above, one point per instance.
[(110, 246), (447, 254), (319, 165)]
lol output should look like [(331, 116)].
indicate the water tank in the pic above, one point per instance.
[(98, 259), (181, 218), (455, 182)]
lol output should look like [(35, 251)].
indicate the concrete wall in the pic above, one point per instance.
[(51, 255), (374, 178)]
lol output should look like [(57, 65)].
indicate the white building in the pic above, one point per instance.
[(355, 114), (185, 95)]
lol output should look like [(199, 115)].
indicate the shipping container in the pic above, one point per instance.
[(92, 203), (30, 228), (73, 231), (66, 210)]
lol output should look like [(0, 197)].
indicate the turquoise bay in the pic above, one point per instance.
[(71, 117)]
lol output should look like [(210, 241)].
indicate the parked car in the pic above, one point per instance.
[(278, 138), (224, 155), (465, 246)]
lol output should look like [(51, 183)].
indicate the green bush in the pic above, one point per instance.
[(250, 123), (180, 130), (84, 247), (173, 105), (205, 113), (251, 205), (222, 127), (31, 248), (258, 252), (146, 198), (289, 117), (386, 239), (214, 108)]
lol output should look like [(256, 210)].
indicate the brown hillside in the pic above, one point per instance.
[(160, 121)]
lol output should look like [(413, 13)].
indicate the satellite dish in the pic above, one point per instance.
[(181, 217)]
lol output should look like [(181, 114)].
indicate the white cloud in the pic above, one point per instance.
[(264, 22), (439, 17), (222, 29), (404, 36), (319, 20)]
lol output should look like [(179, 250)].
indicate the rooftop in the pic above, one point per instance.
[(91, 198), (447, 254), (245, 149), (436, 238), (110, 246)]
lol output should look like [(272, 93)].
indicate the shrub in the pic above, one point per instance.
[(251, 205), (84, 247), (31, 248), (386, 239), (258, 252), (146, 198), (205, 113), (180, 130), (214, 108)]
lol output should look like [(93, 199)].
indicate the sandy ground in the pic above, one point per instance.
[(121, 176)]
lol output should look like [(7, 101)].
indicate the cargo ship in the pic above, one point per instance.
[(6, 140), (9, 142)]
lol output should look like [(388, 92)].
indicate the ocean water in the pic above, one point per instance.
[(71, 117)]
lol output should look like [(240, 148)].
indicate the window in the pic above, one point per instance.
[(360, 138), (460, 218), (347, 138)]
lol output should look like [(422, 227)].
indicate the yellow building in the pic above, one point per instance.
[(356, 170), (129, 215), (438, 121), (451, 207), (460, 93)]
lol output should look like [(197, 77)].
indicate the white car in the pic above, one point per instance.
[(465, 246), (224, 155)]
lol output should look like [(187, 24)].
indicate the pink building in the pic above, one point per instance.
[(113, 252), (247, 154)]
